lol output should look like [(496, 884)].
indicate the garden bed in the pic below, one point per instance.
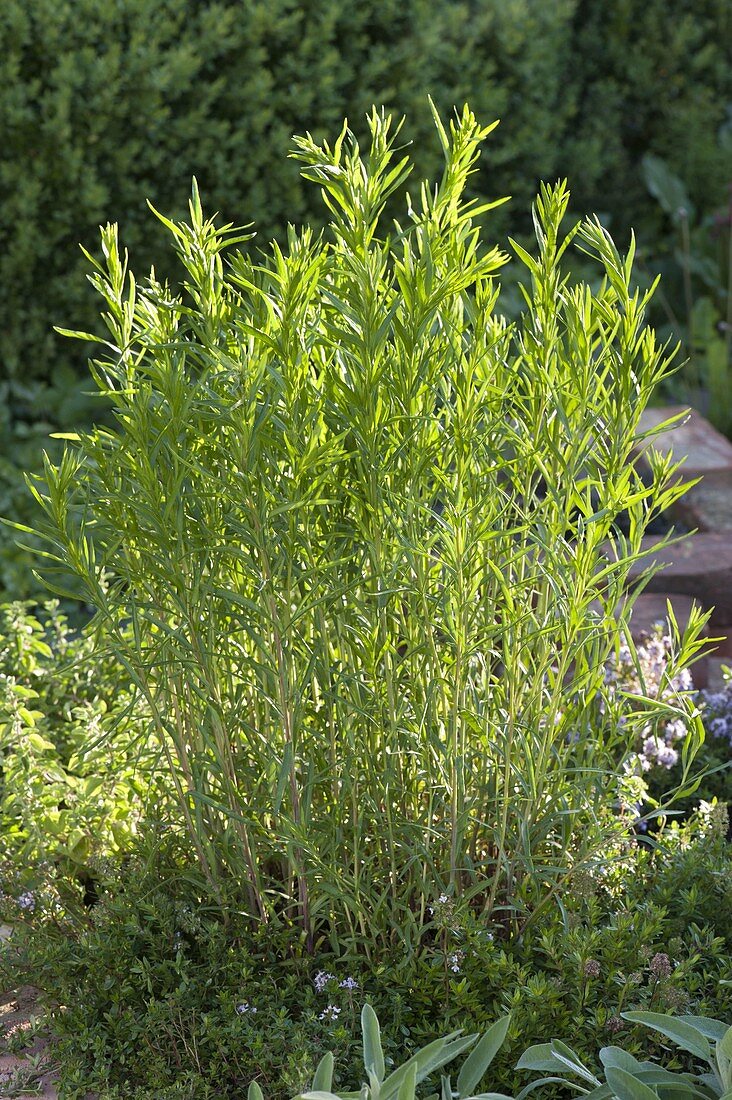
[(360, 724)]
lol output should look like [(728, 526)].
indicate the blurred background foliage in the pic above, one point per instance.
[(108, 103)]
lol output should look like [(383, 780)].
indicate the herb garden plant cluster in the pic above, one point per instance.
[(357, 731)]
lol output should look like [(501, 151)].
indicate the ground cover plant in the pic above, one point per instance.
[(358, 550), (160, 998)]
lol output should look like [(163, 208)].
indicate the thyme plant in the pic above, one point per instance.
[(364, 533)]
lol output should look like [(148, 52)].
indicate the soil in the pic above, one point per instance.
[(30, 1072)]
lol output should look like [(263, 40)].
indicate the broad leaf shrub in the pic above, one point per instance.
[(710, 1041), (652, 82), (353, 538), (692, 255)]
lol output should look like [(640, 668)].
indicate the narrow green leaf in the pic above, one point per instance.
[(441, 132), (567, 1057)]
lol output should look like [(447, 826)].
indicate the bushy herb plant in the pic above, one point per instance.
[(626, 1078), (74, 777), (354, 539), (402, 1082)]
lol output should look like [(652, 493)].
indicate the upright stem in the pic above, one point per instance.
[(285, 710)]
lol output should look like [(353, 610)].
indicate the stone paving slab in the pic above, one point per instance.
[(714, 675), (651, 607), (692, 437), (699, 566), (708, 505)]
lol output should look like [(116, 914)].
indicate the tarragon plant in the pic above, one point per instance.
[(355, 539)]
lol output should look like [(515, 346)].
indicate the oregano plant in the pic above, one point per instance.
[(356, 540)]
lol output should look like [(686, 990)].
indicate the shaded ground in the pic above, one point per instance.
[(29, 1071)]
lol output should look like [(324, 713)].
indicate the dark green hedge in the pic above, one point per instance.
[(104, 103), (655, 76)]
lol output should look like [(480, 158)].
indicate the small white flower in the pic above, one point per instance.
[(651, 746), (321, 979), (675, 731), (349, 983), (454, 960), (667, 757), (330, 1012), (245, 1008)]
